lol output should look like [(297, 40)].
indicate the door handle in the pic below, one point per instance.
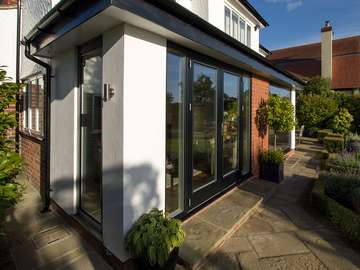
[(108, 92)]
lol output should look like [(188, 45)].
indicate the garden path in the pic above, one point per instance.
[(285, 234)]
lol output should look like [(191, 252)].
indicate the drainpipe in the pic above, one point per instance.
[(18, 29), (47, 123)]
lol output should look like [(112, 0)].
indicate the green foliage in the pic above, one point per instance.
[(345, 163), (352, 104), (261, 118), (281, 114), (341, 122), (335, 135), (154, 236), (356, 199), (340, 187), (8, 92), (333, 144), (353, 142), (10, 166), (343, 218), (272, 157), (315, 110), (277, 113), (317, 86), (323, 133)]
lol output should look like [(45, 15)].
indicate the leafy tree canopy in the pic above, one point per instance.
[(317, 86)]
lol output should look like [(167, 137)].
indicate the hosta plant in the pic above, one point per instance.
[(154, 237)]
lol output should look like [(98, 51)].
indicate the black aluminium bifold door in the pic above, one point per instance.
[(207, 148)]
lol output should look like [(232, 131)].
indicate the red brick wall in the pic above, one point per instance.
[(32, 152), (259, 91)]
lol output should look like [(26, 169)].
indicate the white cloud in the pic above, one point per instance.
[(291, 5)]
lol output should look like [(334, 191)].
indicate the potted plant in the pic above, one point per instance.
[(272, 166), (154, 241)]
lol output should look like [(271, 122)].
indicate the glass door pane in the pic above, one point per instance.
[(246, 126), (91, 142), (204, 111), (175, 75), (230, 123)]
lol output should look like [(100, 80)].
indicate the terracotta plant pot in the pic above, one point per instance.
[(272, 172), (142, 264)]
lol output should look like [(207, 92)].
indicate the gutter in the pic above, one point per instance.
[(47, 115)]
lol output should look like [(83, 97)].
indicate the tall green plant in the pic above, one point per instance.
[(8, 93), (280, 115), (317, 86)]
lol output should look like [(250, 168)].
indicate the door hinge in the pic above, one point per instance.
[(189, 201), (190, 107), (190, 64)]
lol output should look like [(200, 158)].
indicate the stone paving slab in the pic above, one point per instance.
[(277, 244), (43, 240), (207, 230)]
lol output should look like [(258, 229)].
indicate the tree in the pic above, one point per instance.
[(341, 122), (317, 86), (277, 113), (315, 110), (280, 115)]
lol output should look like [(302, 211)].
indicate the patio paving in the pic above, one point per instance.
[(44, 240), (284, 234), (209, 228)]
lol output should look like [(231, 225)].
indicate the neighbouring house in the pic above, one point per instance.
[(144, 104), (338, 60), (8, 19)]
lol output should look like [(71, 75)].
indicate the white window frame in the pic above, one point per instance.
[(233, 12), (27, 103)]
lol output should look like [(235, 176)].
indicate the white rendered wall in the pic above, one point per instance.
[(8, 21), (292, 134), (133, 131), (185, 3), (216, 13), (64, 127)]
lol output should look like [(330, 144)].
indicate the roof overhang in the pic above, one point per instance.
[(73, 22)]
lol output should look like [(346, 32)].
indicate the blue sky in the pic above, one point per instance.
[(295, 22)]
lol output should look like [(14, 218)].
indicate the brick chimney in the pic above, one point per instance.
[(326, 50)]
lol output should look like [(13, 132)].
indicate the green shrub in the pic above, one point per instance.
[(272, 157), (335, 135), (154, 236), (356, 199), (343, 218), (333, 144), (341, 122), (312, 132), (322, 133), (352, 104), (10, 166), (353, 142), (315, 110), (317, 86), (345, 163), (339, 187)]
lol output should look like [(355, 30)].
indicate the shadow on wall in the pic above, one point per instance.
[(125, 198)]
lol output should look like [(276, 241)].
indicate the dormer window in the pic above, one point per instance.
[(237, 27)]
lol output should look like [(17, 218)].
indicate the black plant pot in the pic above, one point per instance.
[(142, 264), (272, 172)]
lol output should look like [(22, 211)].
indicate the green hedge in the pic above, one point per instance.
[(343, 218), (334, 144), (340, 187), (323, 133), (335, 135)]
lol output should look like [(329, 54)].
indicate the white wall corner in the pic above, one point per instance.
[(293, 134), (144, 123)]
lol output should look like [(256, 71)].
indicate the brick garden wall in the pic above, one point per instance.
[(259, 91), (32, 152)]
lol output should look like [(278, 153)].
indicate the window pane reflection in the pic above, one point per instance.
[(230, 122), (204, 125), (174, 132)]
